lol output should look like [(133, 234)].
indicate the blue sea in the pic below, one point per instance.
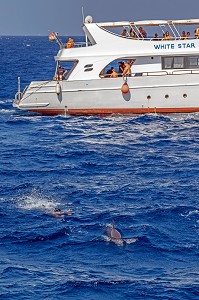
[(140, 172)]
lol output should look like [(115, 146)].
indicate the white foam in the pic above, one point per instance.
[(7, 111), (36, 200), (130, 241)]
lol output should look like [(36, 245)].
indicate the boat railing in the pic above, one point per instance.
[(160, 39), (82, 44), (164, 73), (179, 72), (156, 73), (175, 72)]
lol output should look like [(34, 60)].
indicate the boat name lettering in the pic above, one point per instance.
[(174, 46)]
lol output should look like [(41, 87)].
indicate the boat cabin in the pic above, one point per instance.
[(152, 47)]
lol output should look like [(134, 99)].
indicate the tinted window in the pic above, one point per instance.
[(175, 62), (193, 62), (178, 63)]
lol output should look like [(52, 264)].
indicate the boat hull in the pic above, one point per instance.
[(147, 94)]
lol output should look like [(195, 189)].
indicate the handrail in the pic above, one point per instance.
[(160, 39), (185, 72), (139, 74), (156, 73), (82, 44)]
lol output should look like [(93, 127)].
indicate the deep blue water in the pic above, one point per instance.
[(140, 171)]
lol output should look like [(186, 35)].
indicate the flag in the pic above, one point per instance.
[(51, 37)]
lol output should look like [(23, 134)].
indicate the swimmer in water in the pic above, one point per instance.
[(58, 213)]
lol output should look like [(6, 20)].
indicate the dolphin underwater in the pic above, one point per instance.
[(115, 236)]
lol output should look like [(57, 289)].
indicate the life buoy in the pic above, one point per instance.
[(125, 88)]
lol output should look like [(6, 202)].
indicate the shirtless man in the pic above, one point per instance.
[(60, 73), (127, 69), (114, 74)]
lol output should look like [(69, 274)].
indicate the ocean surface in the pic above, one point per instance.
[(140, 172)]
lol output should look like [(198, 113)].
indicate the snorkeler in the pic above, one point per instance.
[(59, 213)]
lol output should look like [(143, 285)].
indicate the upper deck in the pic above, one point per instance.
[(105, 39), (105, 43)]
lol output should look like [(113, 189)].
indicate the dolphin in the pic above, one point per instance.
[(115, 236)]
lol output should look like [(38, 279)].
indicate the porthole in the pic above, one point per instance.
[(185, 95), (166, 96), (148, 97)]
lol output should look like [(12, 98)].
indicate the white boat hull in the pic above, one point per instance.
[(147, 94)]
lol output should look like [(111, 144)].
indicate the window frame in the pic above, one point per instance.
[(186, 62)]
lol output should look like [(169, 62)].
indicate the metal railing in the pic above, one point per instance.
[(156, 73)]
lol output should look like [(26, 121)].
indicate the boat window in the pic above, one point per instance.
[(173, 62), (167, 62), (64, 69), (193, 62), (178, 62), (117, 65)]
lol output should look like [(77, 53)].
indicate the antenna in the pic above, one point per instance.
[(83, 14)]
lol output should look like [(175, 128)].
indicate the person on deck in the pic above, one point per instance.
[(167, 36), (155, 38), (127, 69), (196, 33), (109, 72), (120, 68), (142, 33), (70, 43), (124, 33), (60, 73), (132, 34), (183, 36), (114, 74)]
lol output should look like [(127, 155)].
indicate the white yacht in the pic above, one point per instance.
[(158, 74)]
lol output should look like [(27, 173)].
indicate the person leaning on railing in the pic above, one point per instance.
[(70, 43), (183, 36), (196, 33), (132, 34), (142, 33), (124, 33), (60, 73), (167, 36), (127, 69)]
